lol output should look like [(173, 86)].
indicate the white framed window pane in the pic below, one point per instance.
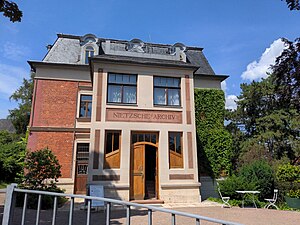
[(129, 94), (82, 110), (173, 97), (114, 93), (160, 96), (89, 112), (86, 57)]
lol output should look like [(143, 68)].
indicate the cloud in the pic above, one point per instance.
[(257, 70), (231, 102), (11, 78), (224, 86), (14, 51)]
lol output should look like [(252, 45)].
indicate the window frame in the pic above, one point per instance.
[(86, 103), (112, 152), (167, 88), (175, 152), (88, 53), (122, 85)]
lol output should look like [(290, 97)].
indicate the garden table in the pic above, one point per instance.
[(248, 192)]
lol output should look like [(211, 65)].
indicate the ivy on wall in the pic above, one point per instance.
[(214, 143)]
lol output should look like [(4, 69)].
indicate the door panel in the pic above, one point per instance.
[(138, 172), (81, 178)]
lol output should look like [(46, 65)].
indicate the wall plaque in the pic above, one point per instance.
[(137, 115)]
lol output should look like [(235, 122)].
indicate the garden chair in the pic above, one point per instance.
[(224, 199), (271, 202)]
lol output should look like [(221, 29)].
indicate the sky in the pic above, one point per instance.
[(240, 38)]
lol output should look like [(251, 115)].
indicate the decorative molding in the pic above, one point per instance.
[(85, 88), (82, 136), (188, 100), (139, 115), (181, 176), (96, 150), (180, 186), (99, 95), (59, 129), (106, 177), (190, 150)]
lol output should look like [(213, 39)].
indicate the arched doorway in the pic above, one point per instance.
[(144, 170)]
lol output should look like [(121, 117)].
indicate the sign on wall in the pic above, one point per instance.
[(151, 116)]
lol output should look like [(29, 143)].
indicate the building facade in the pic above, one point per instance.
[(121, 114)]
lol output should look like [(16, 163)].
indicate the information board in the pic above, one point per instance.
[(97, 191)]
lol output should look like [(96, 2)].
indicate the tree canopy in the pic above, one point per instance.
[(268, 111), (20, 116), (11, 10), (293, 4)]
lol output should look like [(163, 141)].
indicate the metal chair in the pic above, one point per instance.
[(224, 199), (271, 202)]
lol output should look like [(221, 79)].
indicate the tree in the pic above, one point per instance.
[(12, 154), (293, 4), (20, 116), (269, 110), (11, 10), (41, 166)]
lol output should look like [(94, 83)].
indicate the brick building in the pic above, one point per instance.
[(121, 114)]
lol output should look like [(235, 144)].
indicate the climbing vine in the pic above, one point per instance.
[(214, 142)]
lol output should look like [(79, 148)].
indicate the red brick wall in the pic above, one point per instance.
[(61, 144), (54, 103)]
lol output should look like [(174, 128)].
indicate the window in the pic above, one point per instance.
[(85, 106), (82, 158), (175, 150), (112, 149), (121, 88), (167, 91), (144, 137), (89, 52)]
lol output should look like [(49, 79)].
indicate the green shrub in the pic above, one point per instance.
[(260, 173), (230, 185), (288, 173), (43, 171), (294, 194)]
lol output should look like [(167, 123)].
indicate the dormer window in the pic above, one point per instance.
[(89, 52)]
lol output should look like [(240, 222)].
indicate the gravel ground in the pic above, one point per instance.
[(241, 215)]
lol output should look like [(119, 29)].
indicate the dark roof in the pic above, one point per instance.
[(197, 58), (146, 61), (7, 125)]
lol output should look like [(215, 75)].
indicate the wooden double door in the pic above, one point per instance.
[(144, 171)]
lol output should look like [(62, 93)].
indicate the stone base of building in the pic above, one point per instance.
[(66, 184)]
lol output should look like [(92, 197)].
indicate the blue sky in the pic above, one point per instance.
[(238, 37)]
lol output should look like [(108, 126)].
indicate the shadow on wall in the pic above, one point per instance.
[(208, 182)]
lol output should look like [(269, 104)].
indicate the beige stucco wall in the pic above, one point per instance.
[(205, 82), (145, 102)]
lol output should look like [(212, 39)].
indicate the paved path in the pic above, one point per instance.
[(249, 216)]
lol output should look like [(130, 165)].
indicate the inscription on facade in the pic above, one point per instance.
[(152, 116)]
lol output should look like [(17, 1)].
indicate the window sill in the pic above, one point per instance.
[(167, 106), (83, 119), (121, 104)]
